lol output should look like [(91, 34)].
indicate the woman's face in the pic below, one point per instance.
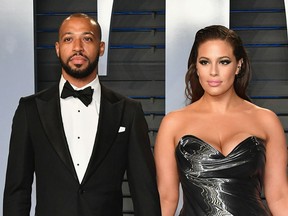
[(216, 67)]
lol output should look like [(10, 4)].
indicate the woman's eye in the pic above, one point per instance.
[(203, 62), (225, 62)]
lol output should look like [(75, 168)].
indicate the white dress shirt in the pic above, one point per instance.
[(80, 125)]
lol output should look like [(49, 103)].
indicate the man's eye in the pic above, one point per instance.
[(67, 39), (225, 62), (203, 62), (88, 39)]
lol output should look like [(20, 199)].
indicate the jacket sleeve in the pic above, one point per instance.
[(20, 168), (141, 169)]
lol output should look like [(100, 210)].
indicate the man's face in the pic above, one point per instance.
[(79, 47)]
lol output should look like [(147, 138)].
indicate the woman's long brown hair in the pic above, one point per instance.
[(194, 90)]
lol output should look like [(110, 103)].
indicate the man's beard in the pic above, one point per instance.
[(78, 73)]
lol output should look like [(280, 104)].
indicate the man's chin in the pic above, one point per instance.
[(78, 67), (79, 74), (79, 71)]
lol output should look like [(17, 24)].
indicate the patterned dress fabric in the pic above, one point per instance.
[(218, 185)]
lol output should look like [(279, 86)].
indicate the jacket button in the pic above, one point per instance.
[(81, 191)]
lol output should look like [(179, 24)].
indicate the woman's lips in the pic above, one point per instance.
[(214, 83)]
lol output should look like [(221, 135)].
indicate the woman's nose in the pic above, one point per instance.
[(214, 70)]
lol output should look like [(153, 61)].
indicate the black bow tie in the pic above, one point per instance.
[(85, 95)]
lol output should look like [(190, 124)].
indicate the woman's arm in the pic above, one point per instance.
[(275, 179), (166, 167)]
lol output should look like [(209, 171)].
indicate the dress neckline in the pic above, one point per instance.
[(219, 152)]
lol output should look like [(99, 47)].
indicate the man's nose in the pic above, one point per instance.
[(77, 45)]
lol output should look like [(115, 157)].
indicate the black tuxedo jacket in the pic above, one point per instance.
[(38, 145)]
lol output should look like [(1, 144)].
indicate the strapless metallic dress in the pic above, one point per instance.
[(214, 184)]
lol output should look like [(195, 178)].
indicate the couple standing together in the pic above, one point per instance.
[(79, 138)]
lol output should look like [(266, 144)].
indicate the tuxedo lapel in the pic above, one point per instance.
[(48, 105), (109, 122)]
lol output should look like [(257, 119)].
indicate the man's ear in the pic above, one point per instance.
[(101, 48), (57, 48)]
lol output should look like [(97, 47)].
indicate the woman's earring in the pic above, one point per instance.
[(238, 71)]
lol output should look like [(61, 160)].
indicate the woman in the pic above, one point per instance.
[(221, 147)]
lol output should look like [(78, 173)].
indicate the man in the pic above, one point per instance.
[(79, 150)]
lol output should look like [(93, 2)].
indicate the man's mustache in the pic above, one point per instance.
[(78, 54)]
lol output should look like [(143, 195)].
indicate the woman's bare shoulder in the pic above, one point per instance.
[(180, 113), (263, 113), (173, 118), (267, 118)]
